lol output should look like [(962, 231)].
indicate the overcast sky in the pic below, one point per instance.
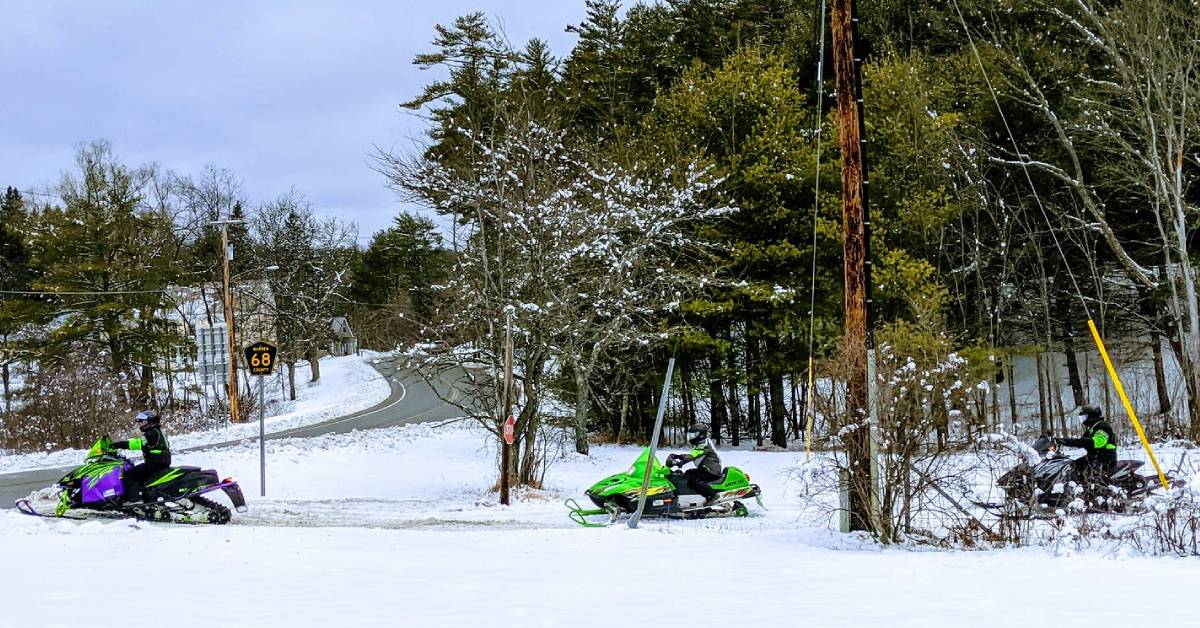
[(285, 94)]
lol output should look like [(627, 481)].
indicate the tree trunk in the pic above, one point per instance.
[(775, 386), (529, 461), (1012, 392), (291, 369), (762, 405), (1062, 306), (314, 362), (994, 393), (528, 423), (1057, 390), (1073, 371), (582, 399), (146, 385), (170, 382), (644, 406), (1047, 425), (735, 404), (778, 411), (1160, 374), (752, 390), (621, 429), (794, 411), (716, 398), (687, 400), (1193, 403), (735, 410), (5, 375)]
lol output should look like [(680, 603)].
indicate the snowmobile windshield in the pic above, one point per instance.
[(639, 466), (102, 446)]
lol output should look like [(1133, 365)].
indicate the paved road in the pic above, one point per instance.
[(412, 401)]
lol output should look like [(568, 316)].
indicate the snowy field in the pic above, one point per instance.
[(397, 527), (347, 384)]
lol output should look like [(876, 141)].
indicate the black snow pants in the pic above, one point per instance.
[(698, 479), (135, 478)]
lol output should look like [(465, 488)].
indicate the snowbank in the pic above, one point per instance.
[(348, 384)]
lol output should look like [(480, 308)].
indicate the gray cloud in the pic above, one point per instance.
[(285, 94)]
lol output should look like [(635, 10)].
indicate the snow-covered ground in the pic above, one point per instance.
[(397, 527), (347, 384)]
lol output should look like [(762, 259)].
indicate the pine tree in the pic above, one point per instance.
[(14, 276), (103, 262), (403, 261)]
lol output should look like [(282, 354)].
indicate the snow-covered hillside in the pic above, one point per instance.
[(397, 527)]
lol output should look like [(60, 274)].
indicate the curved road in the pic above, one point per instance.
[(412, 401)]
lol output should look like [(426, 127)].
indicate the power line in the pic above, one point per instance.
[(82, 293), (812, 295)]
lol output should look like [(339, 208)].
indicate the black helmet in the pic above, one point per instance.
[(1090, 414), (697, 433), (147, 419)]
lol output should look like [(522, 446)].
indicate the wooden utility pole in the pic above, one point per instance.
[(233, 387), (856, 230), (505, 447)]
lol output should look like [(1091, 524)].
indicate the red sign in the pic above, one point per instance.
[(509, 426)]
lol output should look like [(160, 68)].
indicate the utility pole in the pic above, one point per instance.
[(225, 257), (856, 232), (506, 427)]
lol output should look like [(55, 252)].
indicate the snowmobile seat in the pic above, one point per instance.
[(163, 472), (1126, 466)]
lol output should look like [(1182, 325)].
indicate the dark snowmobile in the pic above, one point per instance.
[(97, 489), (1056, 480), (668, 494)]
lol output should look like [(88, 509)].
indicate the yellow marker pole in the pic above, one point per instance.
[(809, 414), (1137, 425)]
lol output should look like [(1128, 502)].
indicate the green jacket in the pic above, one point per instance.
[(155, 448), (1099, 441), (705, 456)]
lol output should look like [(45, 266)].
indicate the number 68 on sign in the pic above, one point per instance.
[(260, 358)]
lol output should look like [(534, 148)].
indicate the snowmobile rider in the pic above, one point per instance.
[(156, 453), (708, 464), (1099, 441)]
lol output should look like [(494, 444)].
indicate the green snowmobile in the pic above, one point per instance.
[(668, 494)]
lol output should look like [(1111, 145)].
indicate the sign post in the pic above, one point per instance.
[(508, 432), (653, 457), (260, 360)]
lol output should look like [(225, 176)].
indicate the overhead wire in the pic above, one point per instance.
[(1023, 160), (812, 295)]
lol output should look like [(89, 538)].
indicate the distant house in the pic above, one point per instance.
[(344, 341)]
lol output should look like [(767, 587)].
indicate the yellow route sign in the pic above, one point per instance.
[(260, 358)]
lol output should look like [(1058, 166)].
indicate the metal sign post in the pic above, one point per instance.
[(260, 359), (262, 442), (653, 457)]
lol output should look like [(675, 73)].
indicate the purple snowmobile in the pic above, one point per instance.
[(174, 495)]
